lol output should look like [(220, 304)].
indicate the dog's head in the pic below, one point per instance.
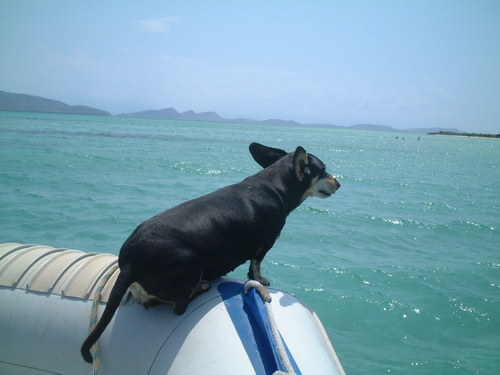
[(308, 169)]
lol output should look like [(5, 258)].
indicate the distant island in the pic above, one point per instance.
[(172, 114), (476, 135), (30, 103)]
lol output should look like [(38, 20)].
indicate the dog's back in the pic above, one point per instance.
[(216, 232)]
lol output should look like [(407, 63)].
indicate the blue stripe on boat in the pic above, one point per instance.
[(250, 320)]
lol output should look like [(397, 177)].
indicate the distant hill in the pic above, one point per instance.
[(30, 103), (172, 114), (380, 128)]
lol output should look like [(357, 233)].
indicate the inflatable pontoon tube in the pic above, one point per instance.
[(46, 297)]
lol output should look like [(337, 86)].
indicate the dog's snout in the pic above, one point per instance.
[(335, 184)]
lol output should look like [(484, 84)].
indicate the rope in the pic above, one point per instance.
[(93, 317), (266, 298)]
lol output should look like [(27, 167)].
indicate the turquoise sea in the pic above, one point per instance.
[(402, 264)]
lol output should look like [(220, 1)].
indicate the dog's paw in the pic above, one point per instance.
[(263, 281), (180, 308)]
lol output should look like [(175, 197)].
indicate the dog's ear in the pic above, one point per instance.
[(265, 156), (300, 163)]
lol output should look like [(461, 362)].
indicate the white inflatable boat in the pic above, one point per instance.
[(48, 295)]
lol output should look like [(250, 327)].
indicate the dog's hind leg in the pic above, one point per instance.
[(179, 286), (142, 297), (201, 287)]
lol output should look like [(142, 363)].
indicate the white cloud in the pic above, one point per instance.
[(158, 25)]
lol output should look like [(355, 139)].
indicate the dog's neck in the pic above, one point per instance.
[(285, 184)]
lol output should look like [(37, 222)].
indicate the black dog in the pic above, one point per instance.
[(169, 257)]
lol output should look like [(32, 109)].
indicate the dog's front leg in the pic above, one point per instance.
[(254, 270)]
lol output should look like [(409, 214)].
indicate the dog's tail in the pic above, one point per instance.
[(123, 281)]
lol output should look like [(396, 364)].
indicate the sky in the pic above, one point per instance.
[(405, 64)]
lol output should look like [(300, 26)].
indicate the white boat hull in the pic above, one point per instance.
[(41, 332)]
